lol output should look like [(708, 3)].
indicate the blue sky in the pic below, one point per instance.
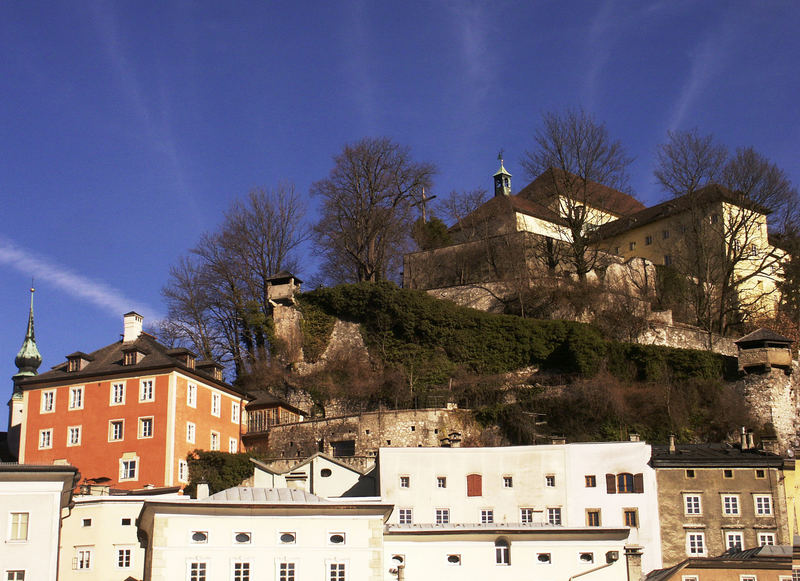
[(126, 129)]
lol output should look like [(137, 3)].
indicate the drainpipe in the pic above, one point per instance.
[(592, 570)]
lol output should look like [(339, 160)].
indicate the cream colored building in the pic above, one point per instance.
[(268, 534), (319, 475), (98, 538), (563, 487), (33, 500)]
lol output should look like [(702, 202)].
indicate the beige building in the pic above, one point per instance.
[(717, 497), (33, 501), (767, 563)]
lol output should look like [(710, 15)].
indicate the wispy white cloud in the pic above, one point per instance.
[(78, 286), (472, 27), (358, 65), (599, 40)]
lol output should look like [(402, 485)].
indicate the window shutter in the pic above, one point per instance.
[(474, 484), (611, 484), (638, 483)]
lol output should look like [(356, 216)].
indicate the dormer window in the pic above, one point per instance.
[(131, 356), (77, 361)]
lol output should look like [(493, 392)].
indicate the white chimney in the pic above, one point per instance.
[(133, 326)]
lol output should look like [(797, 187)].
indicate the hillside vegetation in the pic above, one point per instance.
[(585, 386)]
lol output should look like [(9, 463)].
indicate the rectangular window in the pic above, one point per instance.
[(526, 516), (405, 516), (191, 395), (117, 394), (590, 481), (235, 412), (592, 517), (183, 471), (474, 485), (214, 440), (727, 473), (631, 517), (286, 572), (695, 544), (405, 482), (691, 504), (197, 571), (145, 427), (554, 516), (763, 505), (734, 540), (127, 469), (766, 539), (508, 482), (241, 572), (216, 401), (45, 439), (665, 235), (233, 445), (667, 260), (441, 482), (19, 526), (648, 240), (76, 398), (730, 505), (487, 516), (442, 516), (761, 473), (690, 473), (190, 432), (123, 558), (16, 575), (337, 572), (632, 246), (550, 480), (502, 552), (74, 436), (116, 430), (147, 390), (83, 559), (48, 401)]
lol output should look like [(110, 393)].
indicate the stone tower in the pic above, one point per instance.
[(27, 361)]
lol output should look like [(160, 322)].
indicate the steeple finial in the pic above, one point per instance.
[(28, 359)]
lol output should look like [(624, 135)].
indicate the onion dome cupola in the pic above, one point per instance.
[(502, 179), (28, 359)]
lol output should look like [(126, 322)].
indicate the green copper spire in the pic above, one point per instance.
[(28, 359), (502, 179)]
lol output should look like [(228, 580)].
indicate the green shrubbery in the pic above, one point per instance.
[(220, 469)]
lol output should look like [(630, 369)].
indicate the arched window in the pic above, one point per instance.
[(624, 482), (502, 551)]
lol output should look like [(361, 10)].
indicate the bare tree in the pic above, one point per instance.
[(217, 297), (576, 153), (458, 205), (367, 209), (723, 247)]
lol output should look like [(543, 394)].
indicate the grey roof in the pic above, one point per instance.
[(712, 455), (250, 495), (763, 334), (283, 275), (264, 398), (764, 551)]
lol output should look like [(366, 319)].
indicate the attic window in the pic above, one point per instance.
[(325, 472), (132, 357), (74, 364)]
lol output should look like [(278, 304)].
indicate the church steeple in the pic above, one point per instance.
[(28, 359), (502, 179)]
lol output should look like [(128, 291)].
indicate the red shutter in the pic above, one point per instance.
[(638, 483), (474, 482), (611, 484)]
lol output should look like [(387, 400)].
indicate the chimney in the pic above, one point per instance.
[(672, 443), (558, 440), (132, 326), (633, 562), (202, 490), (770, 444), (633, 437), (750, 441), (743, 438)]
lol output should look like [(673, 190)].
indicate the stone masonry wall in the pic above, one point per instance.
[(686, 337), (772, 396)]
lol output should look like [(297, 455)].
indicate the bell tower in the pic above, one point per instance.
[(502, 179), (27, 361)]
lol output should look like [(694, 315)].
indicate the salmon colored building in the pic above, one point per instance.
[(129, 412)]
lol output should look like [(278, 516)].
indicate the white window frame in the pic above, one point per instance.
[(526, 515), (487, 516), (329, 573), (183, 471), (18, 526), (405, 516), (191, 395), (442, 516), (84, 558), (46, 439), (15, 574), (117, 388), (701, 536), (72, 431), (554, 514), (213, 442), (48, 402), (235, 412), (286, 574), (75, 398), (190, 576), (241, 577), (233, 445), (734, 507), (692, 508), (147, 390), (191, 432), (125, 465), (112, 431), (216, 404), (729, 535), (131, 553), (143, 421), (764, 537), (760, 511)]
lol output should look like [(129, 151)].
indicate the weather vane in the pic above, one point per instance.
[(500, 155)]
